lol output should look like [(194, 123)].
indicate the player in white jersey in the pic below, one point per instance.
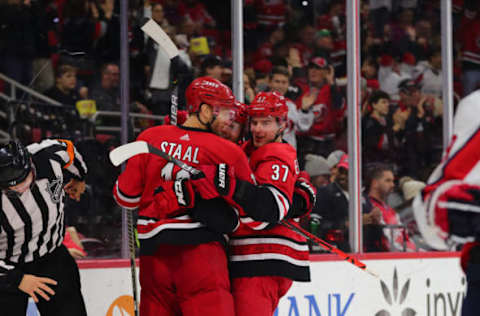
[(448, 209)]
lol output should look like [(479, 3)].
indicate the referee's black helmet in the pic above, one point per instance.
[(15, 164)]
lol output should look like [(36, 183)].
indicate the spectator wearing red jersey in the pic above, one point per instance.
[(322, 97), (380, 183)]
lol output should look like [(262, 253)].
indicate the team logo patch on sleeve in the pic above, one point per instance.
[(54, 189)]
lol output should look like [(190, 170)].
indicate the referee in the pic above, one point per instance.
[(33, 261)]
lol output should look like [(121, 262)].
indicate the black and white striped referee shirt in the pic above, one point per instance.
[(32, 224)]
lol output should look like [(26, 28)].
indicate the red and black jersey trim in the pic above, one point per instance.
[(269, 255), (255, 268), (177, 236), (196, 236)]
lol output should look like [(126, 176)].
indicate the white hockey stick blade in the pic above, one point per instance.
[(152, 29), (122, 153)]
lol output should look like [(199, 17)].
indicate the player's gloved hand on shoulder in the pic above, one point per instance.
[(214, 181), (173, 195)]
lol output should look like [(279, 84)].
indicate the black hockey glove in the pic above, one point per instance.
[(215, 181), (174, 195)]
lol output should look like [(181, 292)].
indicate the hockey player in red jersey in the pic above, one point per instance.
[(264, 256), (447, 210), (183, 265), (264, 263)]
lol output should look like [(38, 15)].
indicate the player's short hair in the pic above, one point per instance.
[(377, 95), (63, 69)]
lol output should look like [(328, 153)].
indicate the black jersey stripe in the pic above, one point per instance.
[(10, 233), (27, 221), (44, 210)]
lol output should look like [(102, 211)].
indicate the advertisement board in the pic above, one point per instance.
[(408, 287), (425, 286)]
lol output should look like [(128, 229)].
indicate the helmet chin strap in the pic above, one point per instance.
[(208, 125), (277, 134)]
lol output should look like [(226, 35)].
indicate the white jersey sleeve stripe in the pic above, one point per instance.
[(268, 240), (125, 198), (269, 256), (282, 203)]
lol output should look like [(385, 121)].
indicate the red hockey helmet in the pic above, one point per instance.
[(241, 114), (209, 91), (269, 104)]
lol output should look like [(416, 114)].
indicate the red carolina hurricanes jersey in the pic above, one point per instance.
[(143, 174), (276, 251), (327, 118)]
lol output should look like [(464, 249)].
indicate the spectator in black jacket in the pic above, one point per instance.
[(415, 135), (65, 90), (106, 92), (376, 129), (332, 207)]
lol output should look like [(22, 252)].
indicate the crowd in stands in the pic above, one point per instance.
[(69, 50)]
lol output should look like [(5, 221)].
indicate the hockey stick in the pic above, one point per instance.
[(152, 29), (327, 246), (127, 151), (122, 153), (133, 270)]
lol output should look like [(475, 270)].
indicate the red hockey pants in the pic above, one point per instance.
[(189, 280), (258, 296)]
